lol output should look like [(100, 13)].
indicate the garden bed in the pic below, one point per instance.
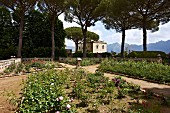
[(69, 91), (27, 67), (84, 62), (153, 72)]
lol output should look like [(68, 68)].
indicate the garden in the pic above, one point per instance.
[(154, 72), (50, 89), (84, 62)]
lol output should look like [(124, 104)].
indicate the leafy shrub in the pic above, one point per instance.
[(92, 55), (8, 52), (84, 62), (19, 68), (43, 92), (78, 54), (147, 54), (150, 71), (10, 68), (106, 54), (44, 52)]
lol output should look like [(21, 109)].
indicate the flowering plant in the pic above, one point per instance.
[(44, 92)]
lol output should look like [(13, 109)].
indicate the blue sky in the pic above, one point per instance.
[(133, 36)]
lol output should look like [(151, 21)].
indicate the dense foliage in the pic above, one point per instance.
[(44, 92), (84, 13), (8, 30), (36, 35), (150, 71), (147, 54), (20, 8), (92, 55), (116, 14), (69, 91), (48, 91), (84, 62), (76, 35)]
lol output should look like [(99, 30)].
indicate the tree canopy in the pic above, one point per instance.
[(37, 34), (17, 20), (119, 17), (53, 8), (20, 8), (85, 13), (148, 14), (75, 34), (8, 40)]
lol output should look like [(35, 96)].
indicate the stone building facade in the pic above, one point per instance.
[(94, 46)]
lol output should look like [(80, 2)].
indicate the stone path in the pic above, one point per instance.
[(160, 89)]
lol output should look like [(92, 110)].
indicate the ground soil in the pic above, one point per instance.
[(13, 84), (9, 85)]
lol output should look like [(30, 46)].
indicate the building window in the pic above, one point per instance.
[(97, 46), (102, 46), (79, 48)]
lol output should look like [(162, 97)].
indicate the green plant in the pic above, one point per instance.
[(19, 68), (43, 92), (10, 68), (27, 68), (145, 70)]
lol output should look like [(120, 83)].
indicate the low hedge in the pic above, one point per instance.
[(147, 54), (150, 71), (84, 62), (92, 55)]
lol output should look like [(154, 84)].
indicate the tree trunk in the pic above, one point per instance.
[(123, 43), (52, 38), (144, 36), (84, 41), (76, 44), (20, 36)]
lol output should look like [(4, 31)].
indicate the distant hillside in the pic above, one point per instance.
[(158, 46)]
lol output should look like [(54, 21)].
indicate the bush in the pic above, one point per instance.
[(147, 54), (78, 54), (43, 92), (92, 55), (8, 52), (44, 52), (145, 70), (106, 54)]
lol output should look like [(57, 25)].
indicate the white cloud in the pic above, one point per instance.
[(163, 34)]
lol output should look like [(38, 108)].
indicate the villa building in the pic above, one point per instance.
[(94, 46)]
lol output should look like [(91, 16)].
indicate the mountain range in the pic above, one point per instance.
[(116, 47), (158, 46)]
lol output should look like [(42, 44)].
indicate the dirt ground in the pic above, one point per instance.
[(13, 84), (9, 85)]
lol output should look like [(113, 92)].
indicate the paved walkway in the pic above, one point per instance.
[(159, 89)]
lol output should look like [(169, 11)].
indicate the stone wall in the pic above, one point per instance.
[(5, 63)]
